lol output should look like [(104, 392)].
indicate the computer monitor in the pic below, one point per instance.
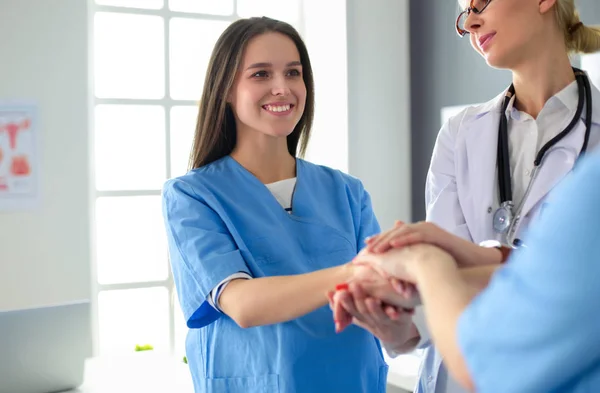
[(43, 350)]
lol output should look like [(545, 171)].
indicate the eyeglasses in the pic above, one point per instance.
[(476, 6)]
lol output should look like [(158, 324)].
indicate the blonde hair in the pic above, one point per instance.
[(578, 37)]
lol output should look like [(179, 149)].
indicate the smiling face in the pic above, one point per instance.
[(269, 93), (508, 32)]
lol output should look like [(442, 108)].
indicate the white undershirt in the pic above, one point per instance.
[(283, 192), (527, 135)]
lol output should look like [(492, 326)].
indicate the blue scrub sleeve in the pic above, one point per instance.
[(368, 222), (201, 249), (536, 328)]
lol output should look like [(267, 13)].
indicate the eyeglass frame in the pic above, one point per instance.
[(463, 32)]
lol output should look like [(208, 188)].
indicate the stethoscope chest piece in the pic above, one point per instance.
[(503, 218)]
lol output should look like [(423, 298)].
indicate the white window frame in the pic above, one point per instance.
[(167, 103)]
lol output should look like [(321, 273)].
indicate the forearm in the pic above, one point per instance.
[(479, 276), (445, 295), (269, 300), (469, 254)]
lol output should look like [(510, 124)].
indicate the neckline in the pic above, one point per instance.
[(265, 190)]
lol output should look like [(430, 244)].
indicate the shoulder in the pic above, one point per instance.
[(197, 181), (471, 114), (331, 176)]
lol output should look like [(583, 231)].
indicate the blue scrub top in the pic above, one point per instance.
[(536, 328), (220, 220)]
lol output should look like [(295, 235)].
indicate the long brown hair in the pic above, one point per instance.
[(215, 135)]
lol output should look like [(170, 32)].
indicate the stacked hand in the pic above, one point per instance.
[(381, 295), (361, 301)]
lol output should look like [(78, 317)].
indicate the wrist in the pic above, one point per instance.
[(434, 260), (344, 272), (496, 252)]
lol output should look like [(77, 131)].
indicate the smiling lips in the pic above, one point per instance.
[(484, 40), (278, 109)]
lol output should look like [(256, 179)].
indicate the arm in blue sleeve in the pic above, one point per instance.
[(201, 249), (536, 327)]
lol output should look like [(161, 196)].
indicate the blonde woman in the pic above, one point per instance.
[(494, 164)]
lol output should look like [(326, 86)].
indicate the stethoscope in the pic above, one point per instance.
[(506, 218)]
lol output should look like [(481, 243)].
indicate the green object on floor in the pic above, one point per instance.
[(147, 347)]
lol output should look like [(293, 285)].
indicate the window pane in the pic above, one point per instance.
[(148, 4), (192, 43), (128, 56), (183, 126), (287, 11), (131, 242), (130, 147), (215, 7), (133, 317)]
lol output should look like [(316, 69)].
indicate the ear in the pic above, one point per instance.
[(546, 5)]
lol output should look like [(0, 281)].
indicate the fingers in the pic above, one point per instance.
[(383, 242), (358, 296), (376, 239), (341, 316), (371, 260), (391, 312), (403, 288), (375, 309), (407, 239)]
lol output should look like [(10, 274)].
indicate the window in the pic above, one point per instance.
[(148, 63)]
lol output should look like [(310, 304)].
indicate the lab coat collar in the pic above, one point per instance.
[(495, 105)]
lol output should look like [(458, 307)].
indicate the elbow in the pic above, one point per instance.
[(239, 318), (243, 322), (242, 317)]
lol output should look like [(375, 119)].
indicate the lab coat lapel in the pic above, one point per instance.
[(481, 143), (477, 172)]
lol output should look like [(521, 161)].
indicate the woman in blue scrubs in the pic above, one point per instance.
[(257, 235), (535, 327)]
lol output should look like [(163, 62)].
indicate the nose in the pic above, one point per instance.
[(280, 87), (280, 91), (473, 22)]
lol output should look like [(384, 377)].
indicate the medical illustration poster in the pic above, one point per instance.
[(19, 161)]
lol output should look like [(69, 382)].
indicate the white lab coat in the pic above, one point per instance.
[(462, 192)]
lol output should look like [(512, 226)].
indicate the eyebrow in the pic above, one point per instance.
[(267, 65)]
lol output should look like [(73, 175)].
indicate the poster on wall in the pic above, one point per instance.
[(19, 160)]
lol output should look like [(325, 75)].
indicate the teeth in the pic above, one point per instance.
[(281, 108)]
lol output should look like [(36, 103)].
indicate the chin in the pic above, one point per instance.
[(280, 133), (497, 62)]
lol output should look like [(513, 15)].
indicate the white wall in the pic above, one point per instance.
[(379, 103), (44, 253)]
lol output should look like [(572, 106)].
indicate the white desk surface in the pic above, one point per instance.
[(152, 372)]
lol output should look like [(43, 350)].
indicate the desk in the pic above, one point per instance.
[(147, 372), (141, 372)]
